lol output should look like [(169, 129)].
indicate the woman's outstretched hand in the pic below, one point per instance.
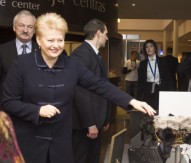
[(143, 107)]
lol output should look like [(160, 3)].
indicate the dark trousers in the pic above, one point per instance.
[(152, 98), (48, 158), (131, 88), (86, 150)]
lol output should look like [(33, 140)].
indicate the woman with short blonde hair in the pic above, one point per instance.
[(41, 97)]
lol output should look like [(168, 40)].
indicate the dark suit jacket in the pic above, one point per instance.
[(89, 109), (172, 65), (8, 52), (36, 85), (184, 67), (166, 83), (184, 74)]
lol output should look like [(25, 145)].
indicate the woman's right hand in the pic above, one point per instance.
[(143, 107), (48, 111)]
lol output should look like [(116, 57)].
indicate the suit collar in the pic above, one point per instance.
[(19, 44), (89, 47), (153, 58), (93, 47)]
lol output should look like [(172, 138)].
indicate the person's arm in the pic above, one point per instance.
[(13, 98), (125, 69), (111, 92), (12, 93), (142, 106)]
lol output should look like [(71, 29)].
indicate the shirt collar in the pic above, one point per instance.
[(152, 59), (19, 44), (94, 48)]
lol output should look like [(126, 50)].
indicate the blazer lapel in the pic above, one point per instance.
[(101, 63), (144, 70)]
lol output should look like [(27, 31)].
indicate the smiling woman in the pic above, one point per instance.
[(52, 45), (40, 99)]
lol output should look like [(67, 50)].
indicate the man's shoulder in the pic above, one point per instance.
[(8, 44), (83, 50), (7, 48), (171, 58)]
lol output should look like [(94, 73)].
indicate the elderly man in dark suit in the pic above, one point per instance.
[(91, 112), (23, 26)]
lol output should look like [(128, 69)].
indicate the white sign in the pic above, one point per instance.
[(176, 103)]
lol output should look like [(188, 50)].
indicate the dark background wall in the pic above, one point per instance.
[(76, 12)]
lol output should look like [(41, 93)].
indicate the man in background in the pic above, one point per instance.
[(23, 26), (130, 70), (91, 113), (172, 65), (184, 73)]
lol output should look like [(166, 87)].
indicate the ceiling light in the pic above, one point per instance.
[(133, 4)]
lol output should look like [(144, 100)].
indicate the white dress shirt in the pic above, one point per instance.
[(20, 49), (133, 65), (152, 75)]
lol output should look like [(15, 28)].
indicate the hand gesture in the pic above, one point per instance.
[(48, 111), (143, 107), (92, 132)]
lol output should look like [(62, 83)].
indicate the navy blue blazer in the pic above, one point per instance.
[(30, 84)]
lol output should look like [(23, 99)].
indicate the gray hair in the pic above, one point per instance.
[(23, 13)]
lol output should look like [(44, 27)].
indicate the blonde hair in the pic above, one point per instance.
[(50, 21)]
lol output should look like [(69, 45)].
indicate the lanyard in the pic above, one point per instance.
[(153, 72)]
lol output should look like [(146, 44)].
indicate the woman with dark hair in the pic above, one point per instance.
[(153, 75)]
